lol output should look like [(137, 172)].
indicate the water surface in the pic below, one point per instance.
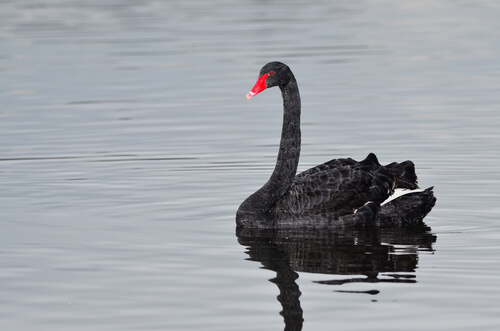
[(126, 146)]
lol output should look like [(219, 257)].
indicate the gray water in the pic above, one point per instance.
[(127, 145)]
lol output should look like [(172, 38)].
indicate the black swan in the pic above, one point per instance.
[(337, 193)]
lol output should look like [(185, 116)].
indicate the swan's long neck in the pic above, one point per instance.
[(261, 203), (288, 156)]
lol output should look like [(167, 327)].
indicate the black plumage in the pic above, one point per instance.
[(337, 193)]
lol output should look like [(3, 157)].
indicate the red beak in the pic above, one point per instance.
[(258, 87)]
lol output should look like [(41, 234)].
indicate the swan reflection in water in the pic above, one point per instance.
[(363, 254)]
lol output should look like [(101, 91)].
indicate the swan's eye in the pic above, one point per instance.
[(271, 73)]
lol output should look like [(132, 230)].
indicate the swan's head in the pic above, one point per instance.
[(272, 74)]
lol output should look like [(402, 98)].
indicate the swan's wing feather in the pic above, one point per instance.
[(339, 186), (404, 173)]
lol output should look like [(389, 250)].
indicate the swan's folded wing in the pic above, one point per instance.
[(338, 187)]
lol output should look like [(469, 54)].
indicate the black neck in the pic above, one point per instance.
[(288, 156), (262, 201)]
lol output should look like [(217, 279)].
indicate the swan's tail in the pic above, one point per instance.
[(407, 209)]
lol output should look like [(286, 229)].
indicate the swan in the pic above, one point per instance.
[(339, 192)]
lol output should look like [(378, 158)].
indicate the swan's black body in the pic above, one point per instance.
[(337, 193)]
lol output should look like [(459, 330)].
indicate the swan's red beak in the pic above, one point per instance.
[(258, 87)]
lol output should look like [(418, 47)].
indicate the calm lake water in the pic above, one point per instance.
[(127, 145)]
